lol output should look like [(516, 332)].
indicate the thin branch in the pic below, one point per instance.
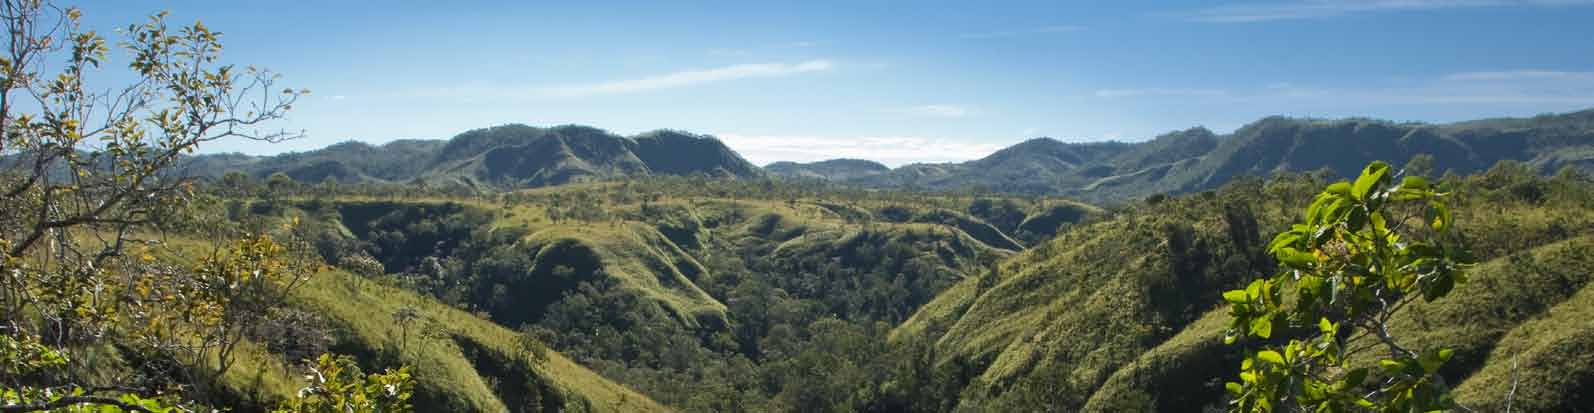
[(72, 401)]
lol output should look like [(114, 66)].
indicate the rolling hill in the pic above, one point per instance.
[(1123, 314)]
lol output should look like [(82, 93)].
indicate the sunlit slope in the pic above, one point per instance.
[(450, 376), (1078, 307), (461, 362), (1122, 315)]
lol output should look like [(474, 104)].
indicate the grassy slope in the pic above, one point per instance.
[(1084, 307), (655, 252), (367, 307), (442, 369), (644, 261)]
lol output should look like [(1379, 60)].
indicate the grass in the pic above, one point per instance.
[(444, 373), (1102, 312), (367, 309), (643, 260), (1543, 365)]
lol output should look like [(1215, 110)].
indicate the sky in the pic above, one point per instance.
[(895, 82)]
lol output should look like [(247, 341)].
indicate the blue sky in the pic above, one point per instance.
[(896, 82)]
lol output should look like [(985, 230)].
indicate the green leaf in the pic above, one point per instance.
[(1356, 219), (1414, 183), (1440, 215), (1327, 327), (1341, 188), (1234, 388), (1413, 188), (1429, 361), (1236, 296), (1353, 378), (1262, 326), (1295, 258), (1371, 178), (1284, 239), (1271, 357), (1392, 367)]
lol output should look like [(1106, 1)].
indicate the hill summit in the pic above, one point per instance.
[(499, 157)]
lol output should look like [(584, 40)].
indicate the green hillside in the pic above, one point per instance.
[(690, 290)]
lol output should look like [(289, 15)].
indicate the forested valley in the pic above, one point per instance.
[(1296, 264)]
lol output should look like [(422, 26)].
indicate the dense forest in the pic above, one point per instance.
[(525, 269), (707, 294)]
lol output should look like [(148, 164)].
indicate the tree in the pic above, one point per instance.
[(338, 386), (1365, 250), (82, 171)]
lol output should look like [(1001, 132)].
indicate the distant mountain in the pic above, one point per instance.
[(501, 157), (1196, 159), (834, 169)]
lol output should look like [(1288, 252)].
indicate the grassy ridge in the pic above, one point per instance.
[(441, 365), (447, 378), (1122, 315)]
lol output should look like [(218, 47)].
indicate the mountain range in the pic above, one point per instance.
[(1195, 159), (500, 157)]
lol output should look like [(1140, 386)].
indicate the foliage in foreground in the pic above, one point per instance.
[(84, 178), (338, 386), (1366, 250)]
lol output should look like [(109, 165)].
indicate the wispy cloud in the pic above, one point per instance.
[(937, 111), (690, 77), (1524, 74), (1318, 9), (889, 150), (1021, 32), (1130, 93)]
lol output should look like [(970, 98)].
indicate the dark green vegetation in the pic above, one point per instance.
[(755, 295), (1197, 159), (1123, 314), (704, 294), (662, 272), (750, 294)]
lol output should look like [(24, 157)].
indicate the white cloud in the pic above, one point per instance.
[(1021, 32), (689, 77), (1318, 9), (1525, 74), (937, 111), (889, 150), (1130, 93), (338, 97)]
